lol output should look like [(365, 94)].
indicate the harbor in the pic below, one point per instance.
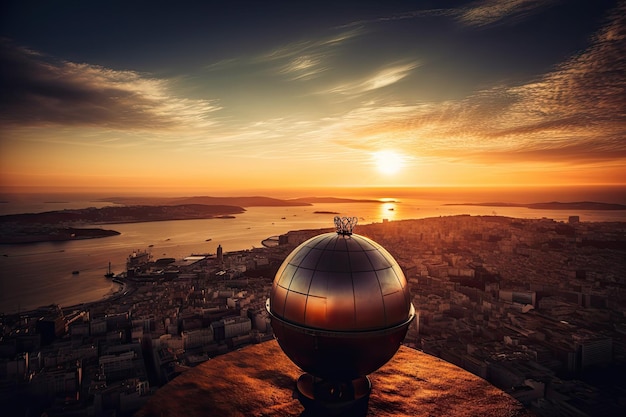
[(178, 239)]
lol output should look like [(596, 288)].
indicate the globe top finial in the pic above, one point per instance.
[(345, 225)]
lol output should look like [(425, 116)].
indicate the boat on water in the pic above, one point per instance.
[(109, 273), (75, 272)]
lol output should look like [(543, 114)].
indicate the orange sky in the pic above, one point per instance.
[(319, 107)]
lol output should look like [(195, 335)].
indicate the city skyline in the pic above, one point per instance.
[(244, 96)]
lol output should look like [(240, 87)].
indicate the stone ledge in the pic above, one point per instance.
[(258, 381)]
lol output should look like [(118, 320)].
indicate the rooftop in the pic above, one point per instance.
[(259, 380)]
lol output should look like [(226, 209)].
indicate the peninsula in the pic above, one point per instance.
[(553, 205), (68, 224), (65, 224), (123, 214)]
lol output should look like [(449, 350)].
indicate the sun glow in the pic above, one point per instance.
[(388, 162)]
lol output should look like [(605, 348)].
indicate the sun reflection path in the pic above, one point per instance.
[(387, 210)]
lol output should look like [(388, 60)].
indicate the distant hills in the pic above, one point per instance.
[(254, 201), (61, 224), (124, 214), (149, 209), (312, 200), (54, 225), (554, 205)]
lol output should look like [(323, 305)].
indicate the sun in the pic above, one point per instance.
[(388, 162)]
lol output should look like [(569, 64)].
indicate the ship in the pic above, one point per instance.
[(137, 263), (138, 258), (109, 273)]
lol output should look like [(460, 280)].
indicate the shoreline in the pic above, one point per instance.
[(123, 287), (249, 238), (553, 205)]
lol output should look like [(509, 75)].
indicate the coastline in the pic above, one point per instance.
[(123, 288), (44, 269), (51, 226), (553, 205)]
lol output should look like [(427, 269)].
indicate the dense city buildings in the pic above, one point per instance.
[(534, 306)]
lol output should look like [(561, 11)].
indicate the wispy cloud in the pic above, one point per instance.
[(307, 59), (304, 47), (41, 91), (412, 14), (304, 67), (382, 78), (487, 12), (388, 76), (477, 13)]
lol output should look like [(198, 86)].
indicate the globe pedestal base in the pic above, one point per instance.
[(333, 398)]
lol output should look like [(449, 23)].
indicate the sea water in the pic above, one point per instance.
[(36, 274)]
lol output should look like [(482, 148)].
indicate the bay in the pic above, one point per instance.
[(32, 275)]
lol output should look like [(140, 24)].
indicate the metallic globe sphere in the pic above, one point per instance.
[(340, 306)]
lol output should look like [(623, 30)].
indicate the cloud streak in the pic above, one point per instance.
[(39, 91), (382, 78), (304, 67), (488, 12)]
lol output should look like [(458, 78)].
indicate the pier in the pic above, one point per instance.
[(271, 241)]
